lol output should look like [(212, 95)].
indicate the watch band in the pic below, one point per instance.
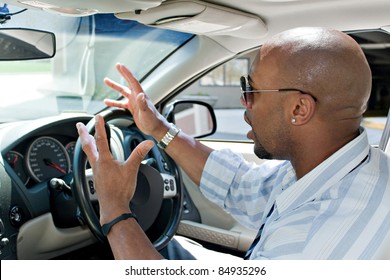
[(168, 137), (107, 227)]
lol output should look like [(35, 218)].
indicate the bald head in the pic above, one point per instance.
[(331, 82), (327, 63)]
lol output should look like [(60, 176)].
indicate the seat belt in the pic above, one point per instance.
[(386, 134), (258, 236)]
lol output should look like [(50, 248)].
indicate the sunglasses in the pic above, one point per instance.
[(247, 91)]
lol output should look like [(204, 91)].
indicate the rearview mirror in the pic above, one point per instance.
[(195, 118), (24, 44)]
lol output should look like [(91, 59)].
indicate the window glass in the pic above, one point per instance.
[(87, 50), (226, 75), (220, 88)]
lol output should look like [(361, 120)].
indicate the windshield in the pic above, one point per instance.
[(87, 50)]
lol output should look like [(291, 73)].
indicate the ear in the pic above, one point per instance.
[(303, 109)]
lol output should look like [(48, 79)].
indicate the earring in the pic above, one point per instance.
[(293, 120)]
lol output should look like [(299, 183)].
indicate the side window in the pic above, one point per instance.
[(221, 89)]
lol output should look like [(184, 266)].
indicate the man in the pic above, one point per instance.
[(328, 197)]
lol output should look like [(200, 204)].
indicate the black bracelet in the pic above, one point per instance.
[(107, 227)]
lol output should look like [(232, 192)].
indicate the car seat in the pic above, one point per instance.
[(384, 144)]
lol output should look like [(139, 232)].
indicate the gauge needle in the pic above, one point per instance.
[(48, 162)]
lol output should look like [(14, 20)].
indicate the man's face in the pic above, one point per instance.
[(265, 112)]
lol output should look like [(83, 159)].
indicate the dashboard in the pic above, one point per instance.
[(32, 153), (40, 219)]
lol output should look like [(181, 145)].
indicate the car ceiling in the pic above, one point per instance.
[(264, 17), (250, 21)]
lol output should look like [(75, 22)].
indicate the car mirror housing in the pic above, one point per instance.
[(195, 118), (26, 44)]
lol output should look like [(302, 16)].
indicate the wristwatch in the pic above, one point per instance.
[(168, 137)]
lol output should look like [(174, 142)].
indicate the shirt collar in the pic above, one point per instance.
[(329, 172)]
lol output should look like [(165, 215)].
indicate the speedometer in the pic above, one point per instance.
[(47, 158)]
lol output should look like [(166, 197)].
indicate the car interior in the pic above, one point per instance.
[(188, 56)]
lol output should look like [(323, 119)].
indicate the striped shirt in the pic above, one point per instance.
[(339, 210)]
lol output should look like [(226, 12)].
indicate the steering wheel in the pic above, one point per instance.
[(158, 198)]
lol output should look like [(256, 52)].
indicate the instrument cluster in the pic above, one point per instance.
[(42, 159)]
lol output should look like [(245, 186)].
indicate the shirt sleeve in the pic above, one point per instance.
[(239, 187)]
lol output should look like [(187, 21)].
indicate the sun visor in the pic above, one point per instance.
[(78, 8), (200, 18)]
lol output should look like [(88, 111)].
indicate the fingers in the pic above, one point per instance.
[(129, 93), (133, 83), (94, 147), (125, 91), (138, 154), (116, 103), (101, 138), (88, 143)]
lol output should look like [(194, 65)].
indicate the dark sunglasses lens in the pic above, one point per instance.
[(243, 83)]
